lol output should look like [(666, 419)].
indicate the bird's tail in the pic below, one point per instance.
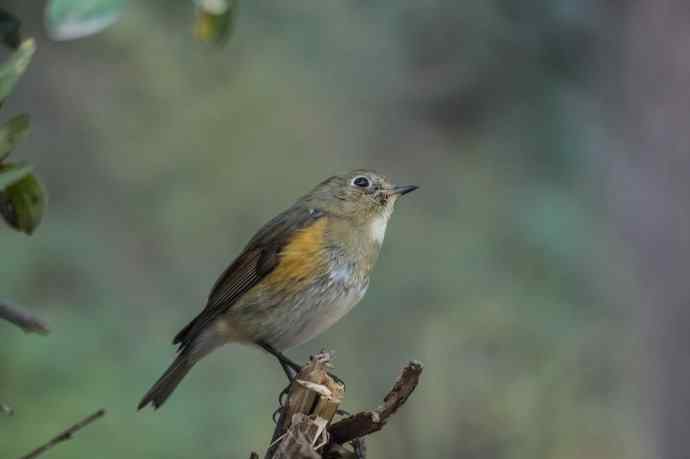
[(167, 383)]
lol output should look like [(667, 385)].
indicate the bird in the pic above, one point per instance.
[(301, 273)]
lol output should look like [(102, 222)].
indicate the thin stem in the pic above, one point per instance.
[(22, 319), (64, 435)]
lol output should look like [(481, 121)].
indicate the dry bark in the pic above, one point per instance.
[(304, 429), (313, 400), (368, 422)]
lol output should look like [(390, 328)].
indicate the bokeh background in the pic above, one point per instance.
[(162, 156)]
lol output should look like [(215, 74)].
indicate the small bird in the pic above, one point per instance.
[(299, 274)]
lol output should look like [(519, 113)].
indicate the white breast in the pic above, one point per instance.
[(377, 227)]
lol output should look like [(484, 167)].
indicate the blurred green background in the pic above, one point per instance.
[(162, 156)]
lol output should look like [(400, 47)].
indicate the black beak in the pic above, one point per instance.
[(404, 189)]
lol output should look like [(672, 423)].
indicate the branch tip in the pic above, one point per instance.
[(22, 319), (65, 435)]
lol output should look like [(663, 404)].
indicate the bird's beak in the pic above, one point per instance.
[(404, 189)]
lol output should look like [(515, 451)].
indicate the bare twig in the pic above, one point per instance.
[(22, 319), (367, 422), (65, 435)]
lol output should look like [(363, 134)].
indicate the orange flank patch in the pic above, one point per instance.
[(301, 259)]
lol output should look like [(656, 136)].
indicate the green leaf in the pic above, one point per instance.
[(215, 20), (11, 133), (15, 66), (70, 19), (22, 203), (12, 173)]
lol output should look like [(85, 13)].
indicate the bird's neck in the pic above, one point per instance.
[(377, 225), (359, 239)]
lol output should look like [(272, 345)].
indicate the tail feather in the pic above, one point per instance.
[(167, 383)]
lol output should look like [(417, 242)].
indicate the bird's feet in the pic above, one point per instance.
[(282, 401), (291, 369)]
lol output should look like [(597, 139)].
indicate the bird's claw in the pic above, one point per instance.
[(283, 394), (282, 399), (276, 414)]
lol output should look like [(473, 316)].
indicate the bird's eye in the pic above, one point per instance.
[(361, 181)]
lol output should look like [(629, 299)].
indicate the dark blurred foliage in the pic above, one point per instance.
[(163, 155)]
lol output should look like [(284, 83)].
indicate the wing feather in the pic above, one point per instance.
[(257, 260)]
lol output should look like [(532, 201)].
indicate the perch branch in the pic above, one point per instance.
[(312, 401), (65, 435), (304, 427), (368, 422), (22, 319)]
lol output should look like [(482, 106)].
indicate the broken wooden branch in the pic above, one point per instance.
[(299, 442), (65, 435), (304, 429), (368, 422), (312, 402), (22, 319)]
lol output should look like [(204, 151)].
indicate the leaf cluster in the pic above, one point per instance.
[(22, 197)]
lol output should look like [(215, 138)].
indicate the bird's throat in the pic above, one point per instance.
[(377, 228)]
